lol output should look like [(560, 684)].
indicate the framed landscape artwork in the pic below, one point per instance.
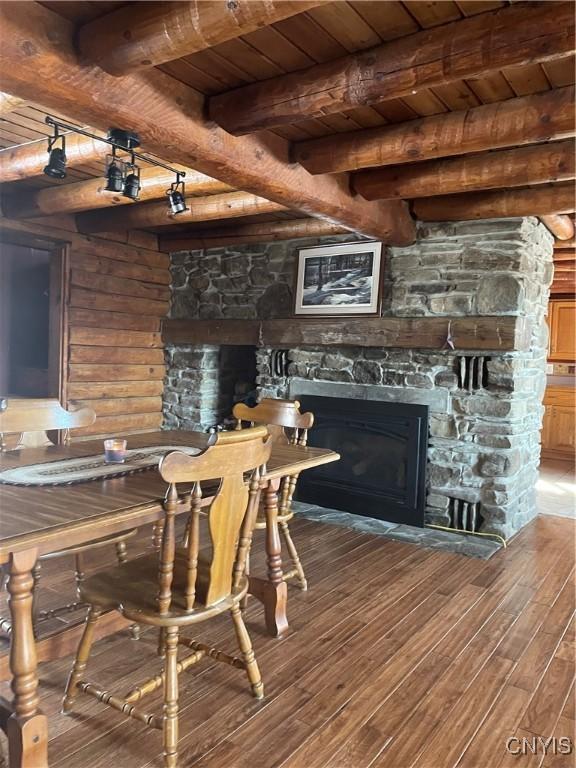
[(340, 279)]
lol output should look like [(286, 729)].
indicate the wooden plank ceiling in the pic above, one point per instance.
[(325, 33)]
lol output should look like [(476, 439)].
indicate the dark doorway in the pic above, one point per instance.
[(31, 320), (383, 448)]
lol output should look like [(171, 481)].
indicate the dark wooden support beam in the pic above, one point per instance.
[(526, 120), (486, 170), (561, 226), (495, 333), (229, 205), (473, 47), (91, 194), (38, 61), (532, 201), (266, 232), (145, 34)]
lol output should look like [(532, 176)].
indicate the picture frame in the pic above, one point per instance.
[(339, 280)]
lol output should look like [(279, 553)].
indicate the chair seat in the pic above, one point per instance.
[(132, 589)]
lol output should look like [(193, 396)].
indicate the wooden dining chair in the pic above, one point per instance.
[(290, 427), (19, 416), (178, 587)]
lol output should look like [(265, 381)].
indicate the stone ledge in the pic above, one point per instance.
[(437, 400)]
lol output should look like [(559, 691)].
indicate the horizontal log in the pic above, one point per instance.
[(121, 244), (28, 160), (92, 194), (114, 389), (486, 170), (81, 372), (224, 206), (495, 333), (532, 201), (118, 285), (561, 245), (469, 48), (110, 425), (38, 59), (123, 355), (561, 226), (88, 299), (125, 405), (567, 255), (267, 232), (525, 120), (114, 338), (109, 266), (145, 34), (121, 320)]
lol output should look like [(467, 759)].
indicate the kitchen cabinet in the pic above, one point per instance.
[(559, 423), (562, 324)]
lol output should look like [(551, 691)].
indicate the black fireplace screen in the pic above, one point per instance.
[(382, 470)]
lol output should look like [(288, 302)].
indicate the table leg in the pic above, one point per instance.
[(27, 727), (272, 592)]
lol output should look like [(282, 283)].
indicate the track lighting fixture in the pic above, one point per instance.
[(177, 195), (121, 175), (132, 182), (114, 173), (56, 167)]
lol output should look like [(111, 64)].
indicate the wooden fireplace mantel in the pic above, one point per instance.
[(503, 334)]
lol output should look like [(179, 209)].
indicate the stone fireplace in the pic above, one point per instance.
[(484, 405)]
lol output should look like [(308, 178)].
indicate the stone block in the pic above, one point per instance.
[(450, 305), (366, 372), (447, 379), (476, 405), (421, 380), (209, 312), (235, 265), (338, 362), (259, 276), (440, 475), (184, 306), (198, 283), (500, 295), (498, 464), (276, 301), (327, 374), (443, 426)]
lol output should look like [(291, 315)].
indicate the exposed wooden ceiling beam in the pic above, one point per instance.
[(486, 170), (241, 234), (521, 34), (145, 34), (91, 194), (229, 205), (9, 103), (38, 60), (28, 160), (533, 201), (526, 120), (561, 226)]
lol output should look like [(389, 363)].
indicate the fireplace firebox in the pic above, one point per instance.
[(382, 472)]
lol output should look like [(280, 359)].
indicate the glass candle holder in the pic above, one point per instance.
[(115, 451)]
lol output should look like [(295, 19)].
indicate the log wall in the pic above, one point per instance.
[(117, 292)]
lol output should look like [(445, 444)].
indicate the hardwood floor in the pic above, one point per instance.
[(398, 657)]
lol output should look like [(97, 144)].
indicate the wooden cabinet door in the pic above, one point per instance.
[(559, 432), (562, 321)]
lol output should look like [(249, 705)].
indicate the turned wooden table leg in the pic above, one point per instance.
[(27, 727), (272, 592)]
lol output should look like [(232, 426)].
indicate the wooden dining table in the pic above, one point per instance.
[(38, 520)]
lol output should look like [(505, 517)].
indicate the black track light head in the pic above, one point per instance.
[(177, 196), (56, 167), (132, 183)]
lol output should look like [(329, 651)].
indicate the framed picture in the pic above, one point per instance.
[(340, 279)]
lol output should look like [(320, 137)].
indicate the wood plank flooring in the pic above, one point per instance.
[(397, 657)]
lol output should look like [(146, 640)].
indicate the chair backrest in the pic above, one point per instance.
[(287, 424), (231, 515), (20, 415)]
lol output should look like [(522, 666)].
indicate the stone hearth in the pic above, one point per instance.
[(485, 406)]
